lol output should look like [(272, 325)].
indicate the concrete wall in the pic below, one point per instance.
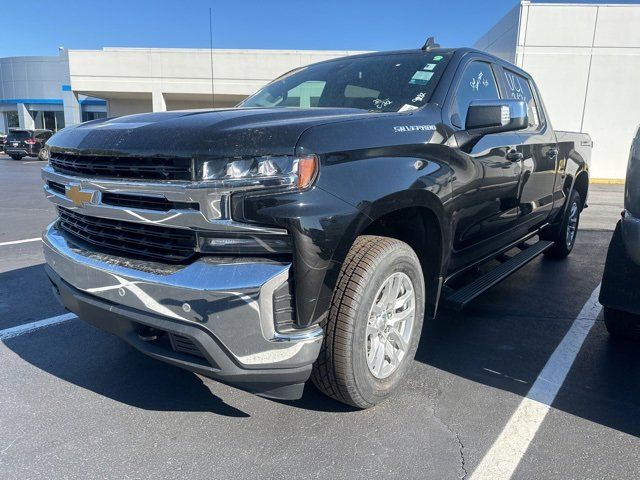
[(29, 84), (117, 107), (502, 39), (31, 77), (586, 62), (181, 78)]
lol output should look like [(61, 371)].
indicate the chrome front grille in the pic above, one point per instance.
[(146, 168), (128, 238)]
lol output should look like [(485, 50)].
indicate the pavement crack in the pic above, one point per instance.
[(463, 466), (454, 434)]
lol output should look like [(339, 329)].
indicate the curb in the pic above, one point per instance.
[(606, 181)]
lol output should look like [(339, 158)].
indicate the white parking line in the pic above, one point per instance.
[(505, 454), (33, 161), (33, 326), (15, 242)]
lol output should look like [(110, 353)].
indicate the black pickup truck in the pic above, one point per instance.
[(308, 231)]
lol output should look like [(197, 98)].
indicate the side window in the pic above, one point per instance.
[(477, 83), (518, 88)]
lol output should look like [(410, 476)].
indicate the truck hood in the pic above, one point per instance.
[(199, 133)]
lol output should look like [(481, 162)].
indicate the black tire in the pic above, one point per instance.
[(16, 157), (559, 234), (341, 370), (622, 324)]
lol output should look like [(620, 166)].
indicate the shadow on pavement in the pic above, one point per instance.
[(79, 354), (502, 340), (506, 336)]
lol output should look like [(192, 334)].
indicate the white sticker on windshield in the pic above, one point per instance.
[(406, 108), (421, 78), (419, 97), (429, 66)]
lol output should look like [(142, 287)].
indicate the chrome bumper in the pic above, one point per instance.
[(230, 299)]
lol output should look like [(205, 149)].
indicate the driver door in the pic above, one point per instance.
[(487, 173)]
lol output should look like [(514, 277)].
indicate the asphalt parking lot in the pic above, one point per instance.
[(78, 403)]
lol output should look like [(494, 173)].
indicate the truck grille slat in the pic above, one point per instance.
[(160, 243), (146, 168), (148, 203)]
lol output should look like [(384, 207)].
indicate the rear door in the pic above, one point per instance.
[(487, 179), (539, 149)]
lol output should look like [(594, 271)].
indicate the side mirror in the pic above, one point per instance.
[(494, 116)]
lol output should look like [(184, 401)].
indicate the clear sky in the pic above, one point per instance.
[(39, 27)]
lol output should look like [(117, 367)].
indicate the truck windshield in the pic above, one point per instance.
[(377, 83)]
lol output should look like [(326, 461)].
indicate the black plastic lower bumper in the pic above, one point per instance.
[(19, 152), (180, 344)]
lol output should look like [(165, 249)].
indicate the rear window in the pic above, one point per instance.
[(379, 83), (19, 135), (518, 88)]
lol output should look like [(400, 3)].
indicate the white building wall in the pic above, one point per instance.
[(502, 39), (585, 59), (178, 78)]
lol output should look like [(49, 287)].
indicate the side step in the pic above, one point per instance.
[(461, 297)]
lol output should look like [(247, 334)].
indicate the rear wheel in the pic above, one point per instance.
[(564, 235), (16, 157), (374, 323), (621, 324)]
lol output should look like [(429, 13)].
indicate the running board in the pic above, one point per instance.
[(458, 299)]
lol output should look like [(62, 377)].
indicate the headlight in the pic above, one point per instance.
[(282, 171)]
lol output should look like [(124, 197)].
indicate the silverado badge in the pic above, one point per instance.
[(78, 196)]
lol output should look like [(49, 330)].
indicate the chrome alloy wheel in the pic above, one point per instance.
[(572, 227), (390, 325)]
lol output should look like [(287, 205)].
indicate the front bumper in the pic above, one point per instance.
[(213, 316)]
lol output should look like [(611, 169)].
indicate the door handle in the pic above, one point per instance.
[(514, 156)]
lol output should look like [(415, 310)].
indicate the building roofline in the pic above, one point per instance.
[(219, 50), (571, 4)]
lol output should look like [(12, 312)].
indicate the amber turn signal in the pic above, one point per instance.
[(307, 170)]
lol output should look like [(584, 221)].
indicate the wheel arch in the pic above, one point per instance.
[(581, 185), (418, 219)]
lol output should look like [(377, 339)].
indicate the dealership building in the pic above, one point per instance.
[(585, 59)]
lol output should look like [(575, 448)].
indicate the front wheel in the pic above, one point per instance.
[(374, 323), (16, 157), (564, 235)]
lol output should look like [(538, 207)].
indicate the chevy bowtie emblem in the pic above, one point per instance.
[(78, 196)]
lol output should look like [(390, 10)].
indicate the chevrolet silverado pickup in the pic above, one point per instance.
[(307, 232)]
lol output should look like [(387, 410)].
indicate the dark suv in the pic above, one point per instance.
[(25, 143)]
